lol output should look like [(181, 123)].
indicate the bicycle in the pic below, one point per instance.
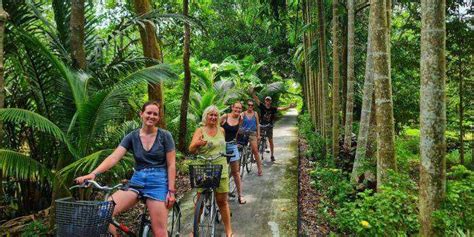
[(246, 156), (262, 144), (85, 211), (207, 177)]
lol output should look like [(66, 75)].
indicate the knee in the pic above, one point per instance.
[(222, 201), (159, 231)]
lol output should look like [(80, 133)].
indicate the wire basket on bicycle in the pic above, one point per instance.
[(205, 176), (83, 218)]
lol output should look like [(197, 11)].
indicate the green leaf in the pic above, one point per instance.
[(23, 167), (15, 115)]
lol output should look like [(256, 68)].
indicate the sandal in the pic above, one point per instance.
[(260, 173), (241, 200)]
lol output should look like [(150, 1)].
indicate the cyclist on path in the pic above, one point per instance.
[(155, 169), (250, 122), (231, 124), (267, 116), (209, 140)]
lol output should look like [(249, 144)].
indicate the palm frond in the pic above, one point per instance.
[(15, 115), (22, 167), (153, 74), (87, 164), (76, 86)]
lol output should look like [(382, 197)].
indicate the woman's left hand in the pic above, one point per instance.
[(170, 200)]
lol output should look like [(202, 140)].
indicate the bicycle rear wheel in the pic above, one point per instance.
[(205, 216)]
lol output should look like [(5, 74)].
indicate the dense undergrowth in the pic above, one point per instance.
[(393, 211)]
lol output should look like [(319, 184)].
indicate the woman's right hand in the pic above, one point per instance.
[(80, 180), (201, 142)]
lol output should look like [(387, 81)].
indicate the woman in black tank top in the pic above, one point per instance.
[(231, 123)]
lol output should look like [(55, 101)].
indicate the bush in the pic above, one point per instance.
[(315, 141), (456, 216), (333, 183), (390, 212), (35, 228)]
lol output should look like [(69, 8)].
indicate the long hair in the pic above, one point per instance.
[(209, 109)]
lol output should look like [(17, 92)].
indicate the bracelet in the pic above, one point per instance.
[(172, 191), (95, 174)]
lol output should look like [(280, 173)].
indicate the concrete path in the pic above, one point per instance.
[(271, 207)]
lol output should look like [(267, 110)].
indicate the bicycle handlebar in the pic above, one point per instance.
[(211, 158), (88, 183)]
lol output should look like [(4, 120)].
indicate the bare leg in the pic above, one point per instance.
[(253, 145), (235, 170), (124, 200), (159, 217), (221, 199), (270, 140)]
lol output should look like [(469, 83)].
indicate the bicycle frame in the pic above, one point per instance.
[(145, 224)]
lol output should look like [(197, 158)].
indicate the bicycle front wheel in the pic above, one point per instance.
[(174, 221), (249, 163), (204, 216), (261, 148), (243, 161)]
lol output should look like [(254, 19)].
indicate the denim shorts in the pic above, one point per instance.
[(232, 149), (154, 182)]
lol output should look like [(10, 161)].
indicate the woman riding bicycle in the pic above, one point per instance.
[(209, 140), (155, 169), (250, 122), (231, 123)]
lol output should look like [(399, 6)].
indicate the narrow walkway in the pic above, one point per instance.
[(271, 207)]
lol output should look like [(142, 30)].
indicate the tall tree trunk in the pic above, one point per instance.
[(151, 49), (461, 113), (77, 23), (383, 92), (3, 19), (432, 111), (344, 69), (306, 62), (187, 82), (335, 80), (368, 92), (350, 74), (324, 72)]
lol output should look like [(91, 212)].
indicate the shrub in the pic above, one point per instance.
[(333, 183), (35, 228), (390, 212), (456, 216)]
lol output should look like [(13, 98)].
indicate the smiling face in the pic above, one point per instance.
[(212, 117), (150, 115), (236, 108)]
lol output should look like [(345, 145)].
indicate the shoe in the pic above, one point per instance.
[(260, 173), (272, 158), (241, 200)]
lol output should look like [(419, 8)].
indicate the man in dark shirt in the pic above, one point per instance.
[(267, 116)]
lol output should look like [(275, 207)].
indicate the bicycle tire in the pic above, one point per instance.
[(232, 186), (243, 161), (174, 227), (204, 222), (249, 163), (261, 148)]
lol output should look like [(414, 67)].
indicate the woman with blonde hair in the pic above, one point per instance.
[(209, 140)]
